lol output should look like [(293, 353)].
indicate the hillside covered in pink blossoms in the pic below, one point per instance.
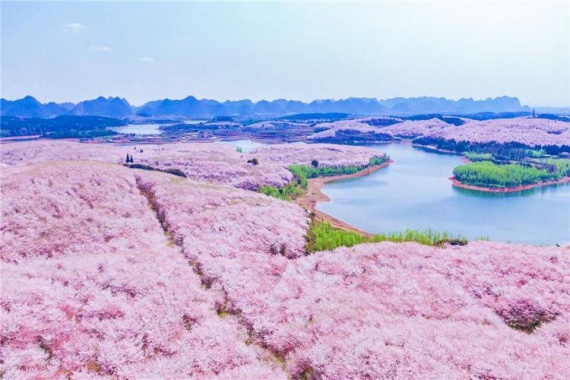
[(524, 130), (218, 163), (127, 273), (351, 130)]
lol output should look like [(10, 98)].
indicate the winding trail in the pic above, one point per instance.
[(314, 195), (225, 307)]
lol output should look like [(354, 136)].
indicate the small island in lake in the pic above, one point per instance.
[(488, 174)]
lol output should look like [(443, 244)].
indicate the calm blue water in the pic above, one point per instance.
[(148, 129), (414, 192), (138, 129), (245, 145), (248, 145)]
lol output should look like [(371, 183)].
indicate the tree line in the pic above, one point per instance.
[(302, 173), (59, 127), (490, 174), (513, 151)]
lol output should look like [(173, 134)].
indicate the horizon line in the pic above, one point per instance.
[(285, 99)]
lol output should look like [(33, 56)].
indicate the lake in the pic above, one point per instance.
[(414, 192), (245, 145), (148, 129), (138, 129)]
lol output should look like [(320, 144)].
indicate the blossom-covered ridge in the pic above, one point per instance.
[(524, 130), (391, 310), (218, 163), (527, 131), (92, 285), (137, 274), (348, 131)]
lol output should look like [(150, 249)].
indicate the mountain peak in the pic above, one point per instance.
[(30, 99), (191, 107)]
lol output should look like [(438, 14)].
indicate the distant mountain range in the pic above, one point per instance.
[(30, 107), (191, 107)]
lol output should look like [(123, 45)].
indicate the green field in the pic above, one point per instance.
[(324, 237)]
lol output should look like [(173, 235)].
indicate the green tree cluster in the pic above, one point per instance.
[(287, 192), (475, 157), (302, 173), (64, 126), (511, 151), (489, 174)]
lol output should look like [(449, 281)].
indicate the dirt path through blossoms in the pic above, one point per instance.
[(314, 195)]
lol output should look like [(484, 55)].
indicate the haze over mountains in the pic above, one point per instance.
[(191, 107)]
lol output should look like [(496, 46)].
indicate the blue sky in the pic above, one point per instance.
[(62, 51)]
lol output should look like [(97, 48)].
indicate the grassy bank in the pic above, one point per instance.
[(302, 173), (322, 236)]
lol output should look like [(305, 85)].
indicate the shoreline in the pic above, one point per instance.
[(20, 138), (314, 195), (434, 149), (456, 182)]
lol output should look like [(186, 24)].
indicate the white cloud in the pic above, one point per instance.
[(147, 59), (101, 49), (72, 27)]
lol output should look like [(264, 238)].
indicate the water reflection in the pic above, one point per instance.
[(484, 194), (138, 129), (245, 146), (541, 190)]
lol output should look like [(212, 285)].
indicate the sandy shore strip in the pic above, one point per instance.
[(314, 195), (508, 189)]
